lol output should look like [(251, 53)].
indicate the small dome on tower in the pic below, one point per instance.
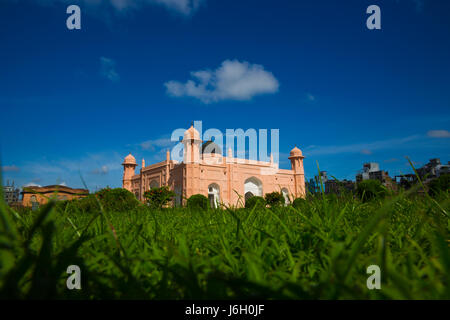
[(191, 134), (129, 159), (296, 152)]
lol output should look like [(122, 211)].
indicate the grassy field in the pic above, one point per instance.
[(320, 250)]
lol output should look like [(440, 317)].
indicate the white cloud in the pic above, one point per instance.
[(108, 69), (366, 152), (183, 7), (100, 163), (96, 169), (32, 184), (233, 80), (12, 168), (438, 134), (101, 171), (419, 5), (359, 147), (310, 97), (157, 143)]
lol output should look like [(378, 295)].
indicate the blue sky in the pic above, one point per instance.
[(77, 101)]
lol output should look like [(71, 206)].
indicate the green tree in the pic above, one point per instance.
[(299, 203), (259, 202), (439, 185), (197, 201), (116, 199), (370, 189), (274, 199), (159, 197)]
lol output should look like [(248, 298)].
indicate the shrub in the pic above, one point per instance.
[(117, 199), (370, 189), (197, 201), (86, 204), (255, 201), (299, 203), (274, 199), (439, 185), (159, 197)]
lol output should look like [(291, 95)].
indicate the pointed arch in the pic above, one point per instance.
[(154, 184), (285, 193), (253, 186)]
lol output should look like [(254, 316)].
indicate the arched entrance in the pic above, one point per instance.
[(252, 187), (285, 193), (214, 195), (154, 184), (34, 203)]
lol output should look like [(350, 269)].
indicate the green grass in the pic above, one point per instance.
[(318, 251)]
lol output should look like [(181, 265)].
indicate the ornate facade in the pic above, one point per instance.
[(223, 179)]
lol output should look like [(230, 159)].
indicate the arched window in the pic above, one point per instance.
[(214, 195), (34, 203), (154, 184), (285, 193), (252, 187)]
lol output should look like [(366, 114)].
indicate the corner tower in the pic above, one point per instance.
[(129, 165), (296, 157), (191, 159)]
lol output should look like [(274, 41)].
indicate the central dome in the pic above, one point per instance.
[(211, 147)]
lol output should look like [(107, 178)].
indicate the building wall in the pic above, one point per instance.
[(42, 194), (228, 173)]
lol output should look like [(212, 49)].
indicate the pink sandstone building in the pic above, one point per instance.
[(222, 179)]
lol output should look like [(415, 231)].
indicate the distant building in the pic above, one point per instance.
[(11, 193), (339, 186), (311, 186), (406, 181), (34, 196), (371, 171), (320, 181), (323, 177), (429, 171), (433, 169), (443, 169), (368, 168)]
